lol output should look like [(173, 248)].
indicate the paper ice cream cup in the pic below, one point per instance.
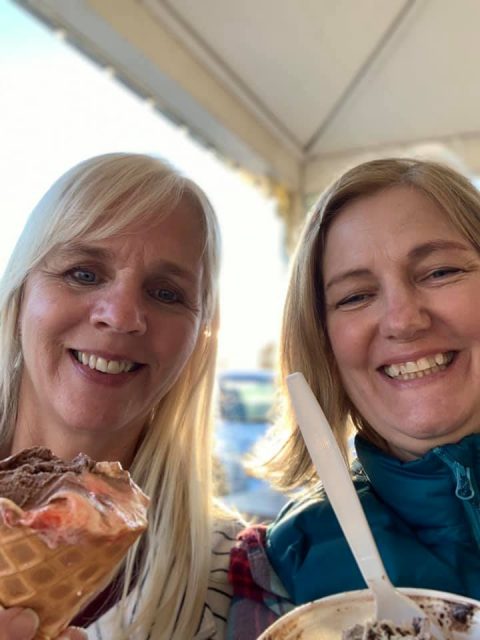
[(327, 618)]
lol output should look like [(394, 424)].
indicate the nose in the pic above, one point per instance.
[(119, 309), (404, 314)]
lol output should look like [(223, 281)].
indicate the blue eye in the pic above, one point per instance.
[(83, 276), (443, 271), (352, 300), (166, 295)]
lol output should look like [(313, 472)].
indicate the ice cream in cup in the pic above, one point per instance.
[(350, 616)]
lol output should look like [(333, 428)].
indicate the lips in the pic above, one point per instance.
[(104, 365), (424, 366)]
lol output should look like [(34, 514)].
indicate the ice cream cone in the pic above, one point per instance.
[(56, 583), (61, 550)]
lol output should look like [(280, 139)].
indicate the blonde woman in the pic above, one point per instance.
[(108, 325), (382, 318)]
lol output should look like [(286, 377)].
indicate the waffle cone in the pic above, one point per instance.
[(57, 555), (58, 582)]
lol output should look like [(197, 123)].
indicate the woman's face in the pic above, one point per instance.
[(107, 327), (402, 287)]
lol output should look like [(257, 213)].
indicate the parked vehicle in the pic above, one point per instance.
[(245, 407)]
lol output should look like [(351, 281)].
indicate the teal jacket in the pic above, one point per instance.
[(425, 518)]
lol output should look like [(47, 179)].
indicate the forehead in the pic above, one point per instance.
[(137, 218), (393, 218), (178, 237)]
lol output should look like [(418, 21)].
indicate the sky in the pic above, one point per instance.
[(58, 108)]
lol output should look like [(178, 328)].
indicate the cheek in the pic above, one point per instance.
[(43, 322), (34, 324), (30, 317), (185, 348), (175, 345), (172, 356), (465, 321), (37, 307), (349, 344)]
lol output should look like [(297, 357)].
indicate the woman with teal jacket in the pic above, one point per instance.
[(382, 317)]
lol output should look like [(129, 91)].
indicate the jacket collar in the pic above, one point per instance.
[(419, 488)]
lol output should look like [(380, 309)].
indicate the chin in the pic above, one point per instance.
[(427, 437)]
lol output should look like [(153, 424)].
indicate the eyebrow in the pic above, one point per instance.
[(424, 250), (83, 251), (416, 254)]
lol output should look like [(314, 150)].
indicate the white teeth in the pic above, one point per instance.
[(423, 366), (114, 366), (102, 364), (393, 370), (424, 363)]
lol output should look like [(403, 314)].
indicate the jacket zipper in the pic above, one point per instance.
[(465, 490)]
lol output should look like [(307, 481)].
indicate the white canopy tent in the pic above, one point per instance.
[(292, 91)]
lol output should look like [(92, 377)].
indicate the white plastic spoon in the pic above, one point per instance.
[(390, 604)]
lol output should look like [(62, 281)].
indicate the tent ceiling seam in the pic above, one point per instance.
[(361, 73), (219, 65)]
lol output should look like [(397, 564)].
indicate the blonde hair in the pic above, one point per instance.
[(304, 343), (94, 200)]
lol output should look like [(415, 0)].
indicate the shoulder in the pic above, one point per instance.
[(301, 516), (213, 623), (225, 534), (223, 540), (220, 592), (308, 551)]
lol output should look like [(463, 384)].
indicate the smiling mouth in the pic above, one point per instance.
[(419, 368), (103, 365)]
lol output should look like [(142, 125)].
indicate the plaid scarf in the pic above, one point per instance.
[(259, 598)]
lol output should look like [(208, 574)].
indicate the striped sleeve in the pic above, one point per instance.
[(214, 620), (213, 624)]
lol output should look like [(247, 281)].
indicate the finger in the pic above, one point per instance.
[(73, 633), (18, 624)]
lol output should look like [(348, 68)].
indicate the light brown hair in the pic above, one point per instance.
[(304, 343)]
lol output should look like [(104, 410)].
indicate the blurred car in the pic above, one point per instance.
[(245, 406)]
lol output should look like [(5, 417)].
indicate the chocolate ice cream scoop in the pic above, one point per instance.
[(29, 476)]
